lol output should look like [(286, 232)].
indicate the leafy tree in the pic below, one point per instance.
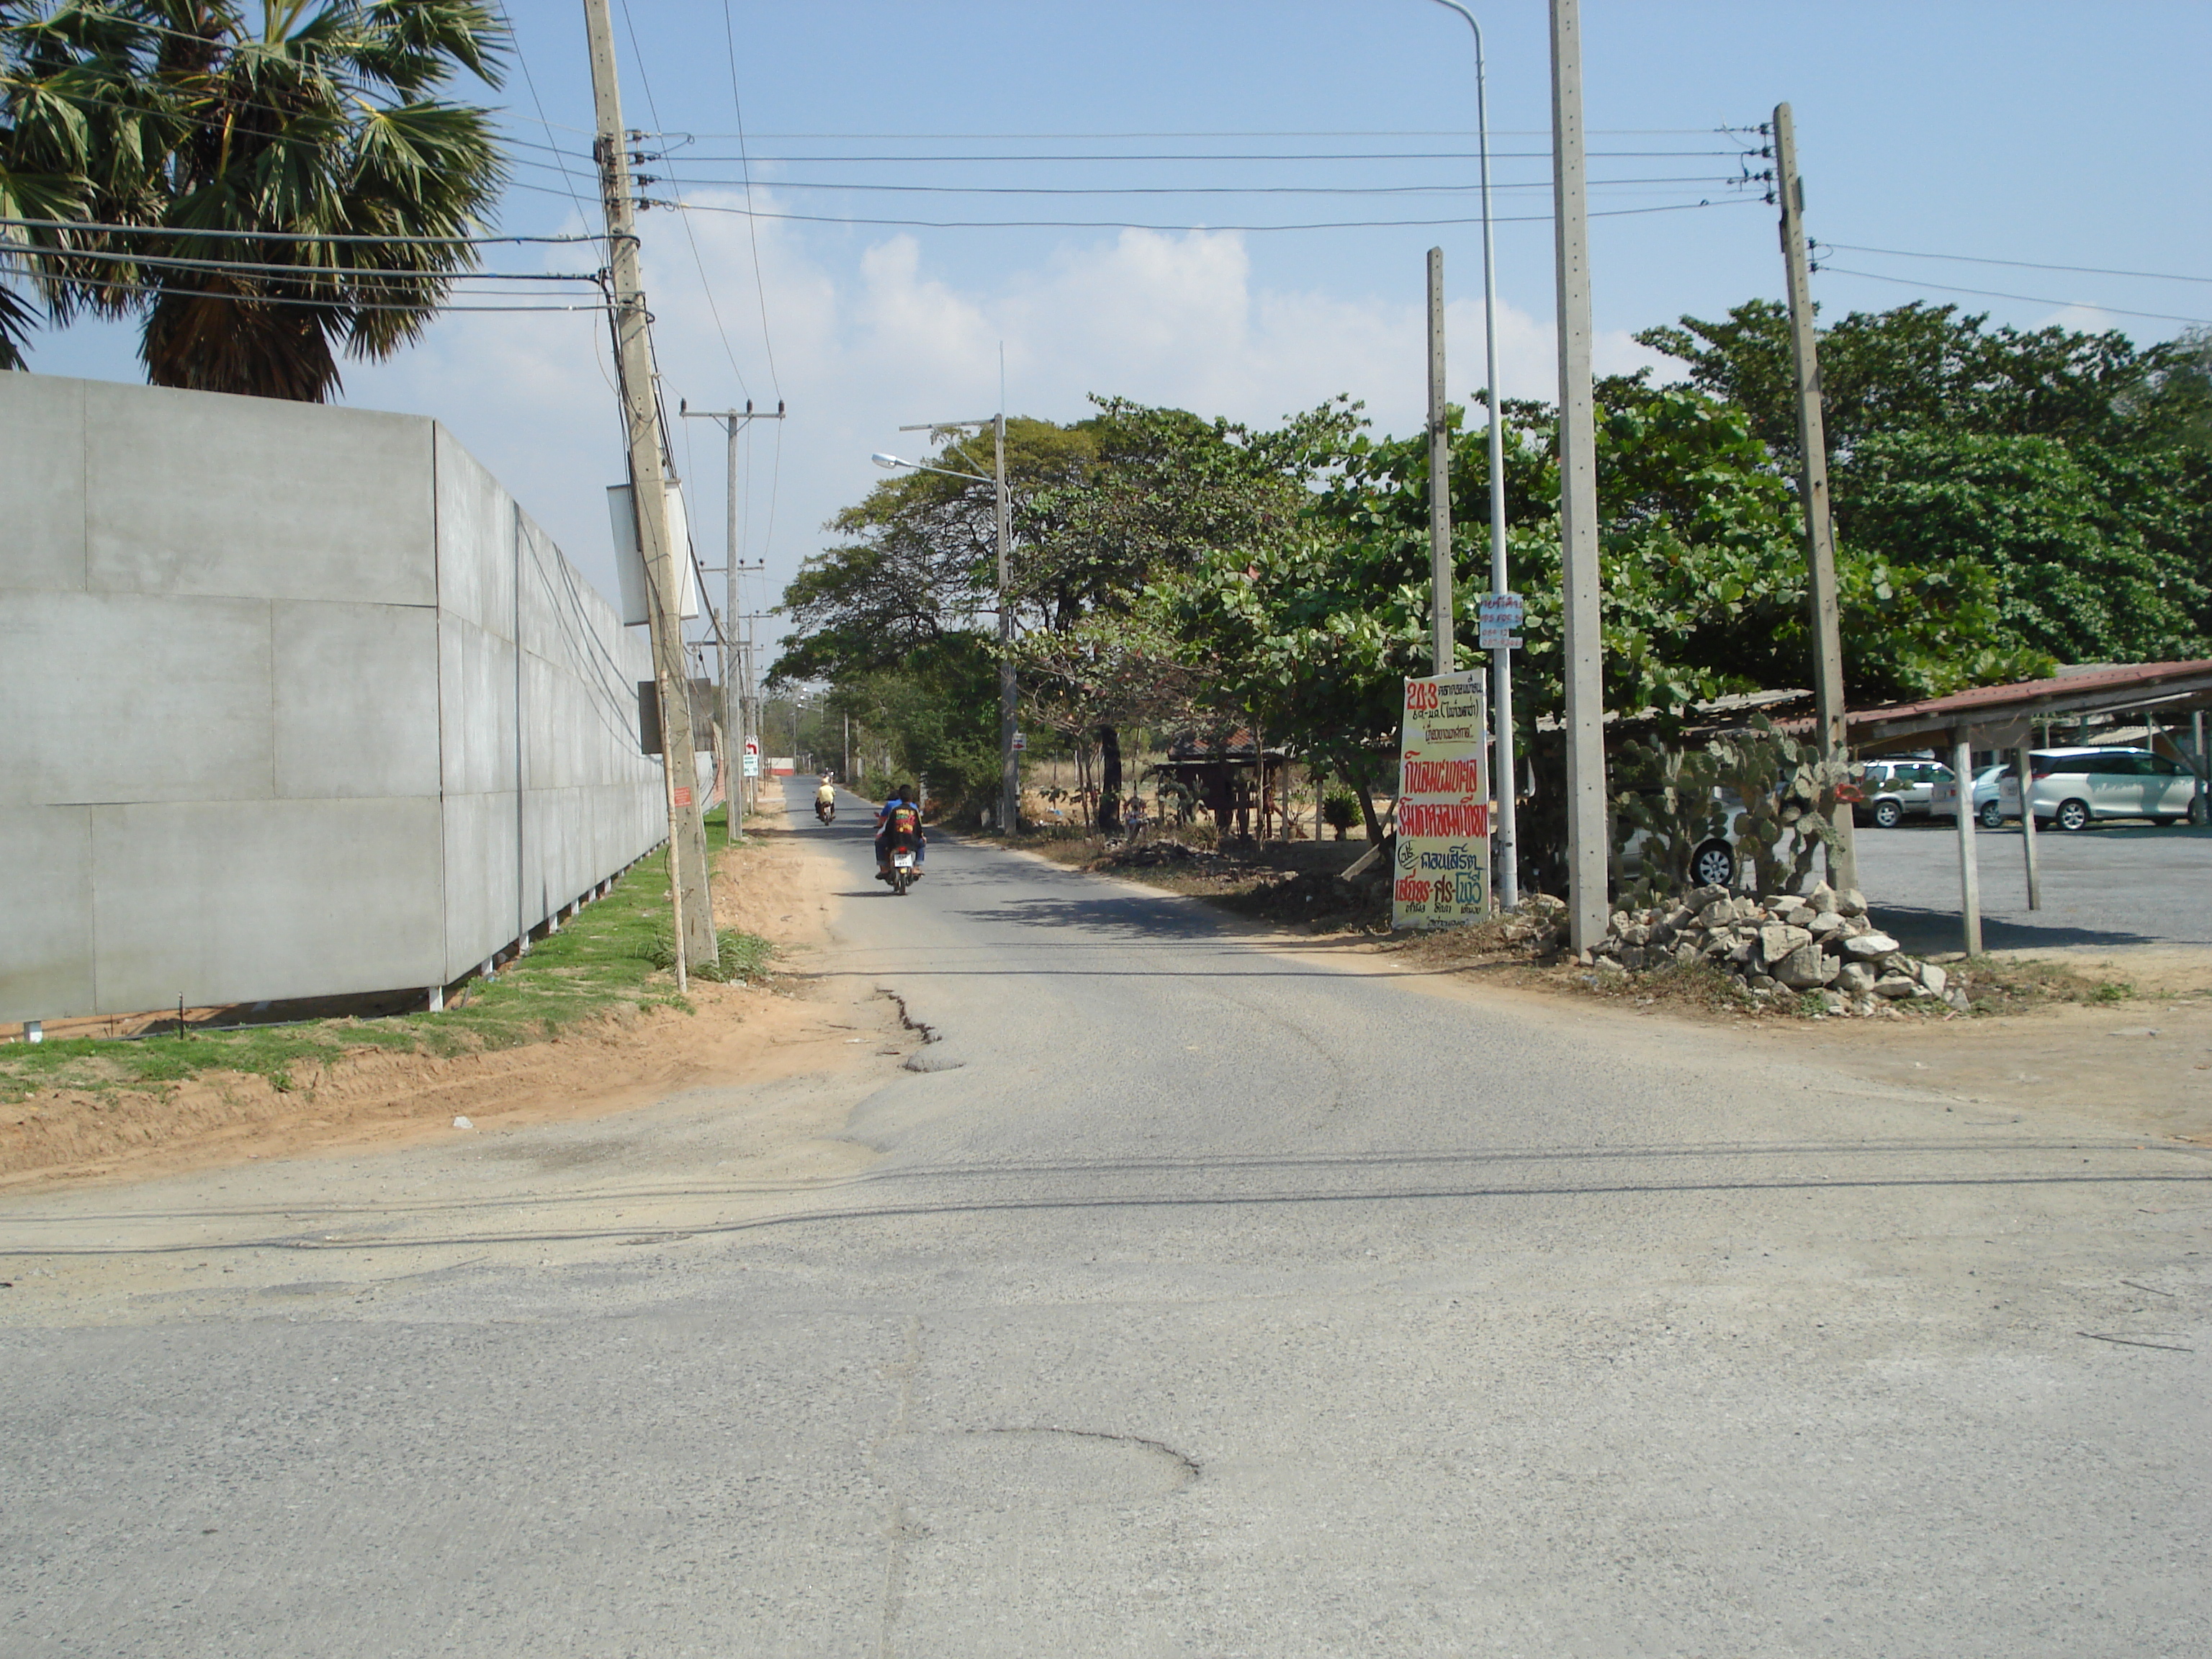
[(1921, 366), (2076, 468), (179, 121)]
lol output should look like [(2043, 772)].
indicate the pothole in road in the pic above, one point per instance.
[(995, 1468)]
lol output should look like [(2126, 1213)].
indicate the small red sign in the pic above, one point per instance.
[(683, 796)]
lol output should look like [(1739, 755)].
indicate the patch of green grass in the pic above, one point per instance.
[(603, 961)]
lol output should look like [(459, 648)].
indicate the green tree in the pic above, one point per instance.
[(186, 124)]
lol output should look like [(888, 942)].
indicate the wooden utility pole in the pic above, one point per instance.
[(1440, 548), (1588, 902), (687, 834), (1812, 483)]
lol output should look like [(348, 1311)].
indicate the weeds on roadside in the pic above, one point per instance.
[(600, 963)]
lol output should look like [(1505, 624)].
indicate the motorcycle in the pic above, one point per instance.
[(825, 810), (902, 871)]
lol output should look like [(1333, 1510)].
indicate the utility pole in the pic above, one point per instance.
[(687, 834), (1010, 764), (1587, 899), (733, 710), (1440, 548), (1812, 483)]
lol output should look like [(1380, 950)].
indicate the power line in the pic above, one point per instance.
[(752, 229), (1126, 224), (1229, 156), (1298, 133), (2017, 264), (1191, 190), (2026, 299), (339, 304), (192, 232), (347, 273), (698, 260)]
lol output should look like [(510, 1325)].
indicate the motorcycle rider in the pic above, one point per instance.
[(825, 799), (899, 829)]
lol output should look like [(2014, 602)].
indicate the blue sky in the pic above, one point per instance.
[(2047, 134)]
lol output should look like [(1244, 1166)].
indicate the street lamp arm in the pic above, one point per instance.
[(920, 467), (1471, 23)]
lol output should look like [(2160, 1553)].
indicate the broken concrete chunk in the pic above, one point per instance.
[(1778, 940), (1869, 944)]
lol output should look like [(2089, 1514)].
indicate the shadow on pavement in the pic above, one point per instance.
[(1923, 932)]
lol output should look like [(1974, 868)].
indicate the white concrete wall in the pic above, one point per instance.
[(260, 733)]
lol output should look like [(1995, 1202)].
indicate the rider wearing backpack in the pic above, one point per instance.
[(900, 829)]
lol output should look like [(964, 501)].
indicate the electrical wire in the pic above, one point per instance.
[(335, 304), (1192, 189), (2025, 298), (1126, 224), (188, 232), (347, 273), (2017, 264), (1239, 155), (698, 259), (752, 227)]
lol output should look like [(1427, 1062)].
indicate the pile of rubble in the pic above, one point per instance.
[(1781, 946)]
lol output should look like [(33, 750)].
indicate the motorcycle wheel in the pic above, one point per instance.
[(899, 880)]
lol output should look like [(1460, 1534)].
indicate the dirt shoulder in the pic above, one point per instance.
[(341, 1092)]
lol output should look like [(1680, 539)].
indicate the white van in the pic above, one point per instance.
[(2074, 786)]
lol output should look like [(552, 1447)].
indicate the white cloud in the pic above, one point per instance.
[(866, 341)]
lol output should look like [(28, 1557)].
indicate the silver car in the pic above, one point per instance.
[(1897, 789), (2073, 787)]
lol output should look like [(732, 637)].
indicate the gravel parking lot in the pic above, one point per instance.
[(2109, 885)]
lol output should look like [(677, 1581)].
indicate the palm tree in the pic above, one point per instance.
[(263, 200)]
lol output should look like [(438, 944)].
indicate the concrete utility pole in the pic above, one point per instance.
[(1812, 482), (1587, 899), (1010, 764), (1440, 548), (734, 709), (687, 834)]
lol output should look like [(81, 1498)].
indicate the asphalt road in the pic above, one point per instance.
[(2110, 885), (1198, 1297)]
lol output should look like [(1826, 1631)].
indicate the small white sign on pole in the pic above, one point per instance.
[(1441, 876)]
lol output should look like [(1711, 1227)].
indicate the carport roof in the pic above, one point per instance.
[(2000, 714)]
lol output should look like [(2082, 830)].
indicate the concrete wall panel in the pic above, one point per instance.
[(481, 912), (356, 699), (224, 902), (476, 541), (45, 912), (131, 697), (42, 480), (195, 492), (248, 751)]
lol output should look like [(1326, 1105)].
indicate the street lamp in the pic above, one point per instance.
[(1501, 659), (1009, 766)]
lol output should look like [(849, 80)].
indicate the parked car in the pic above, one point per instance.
[(1897, 789), (2073, 787), (1993, 803)]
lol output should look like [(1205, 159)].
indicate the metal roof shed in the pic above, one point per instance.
[(2002, 717)]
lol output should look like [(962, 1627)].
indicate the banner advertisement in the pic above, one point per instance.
[(1442, 874)]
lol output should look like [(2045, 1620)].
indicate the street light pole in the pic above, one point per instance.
[(732, 422), (1505, 835), (1009, 762)]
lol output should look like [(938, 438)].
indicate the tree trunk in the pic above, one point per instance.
[(1109, 779), (1367, 810)]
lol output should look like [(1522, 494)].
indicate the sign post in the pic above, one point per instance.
[(753, 758), (1441, 876)]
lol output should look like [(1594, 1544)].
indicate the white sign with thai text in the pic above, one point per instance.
[(1442, 874)]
